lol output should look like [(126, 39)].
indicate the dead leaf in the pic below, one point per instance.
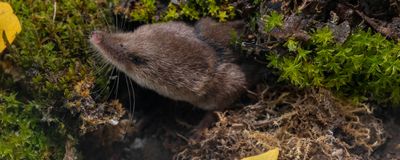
[(9, 25), (270, 155)]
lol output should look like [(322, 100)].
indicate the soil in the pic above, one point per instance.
[(391, 149)]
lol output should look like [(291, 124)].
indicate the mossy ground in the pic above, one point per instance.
[(22, 135), (48, 59)]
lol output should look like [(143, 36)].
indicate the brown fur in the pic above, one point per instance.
[(176, 61), (218, 33)]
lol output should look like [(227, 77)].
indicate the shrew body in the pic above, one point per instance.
[(192, 64)]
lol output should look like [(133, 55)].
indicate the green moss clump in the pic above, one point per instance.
[(52, 53), (367, 65), (146, 10), (21, 135), (53, 49)]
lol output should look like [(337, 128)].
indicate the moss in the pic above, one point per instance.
[(272, 20), (52, 48), (146, 10), (53, 54), (364, 66), (22, 136)]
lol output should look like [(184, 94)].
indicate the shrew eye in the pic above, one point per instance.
[(136, 59)]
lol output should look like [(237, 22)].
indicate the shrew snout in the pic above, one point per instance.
[(96, 37), (113, 49)]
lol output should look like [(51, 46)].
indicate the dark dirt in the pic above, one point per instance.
[(158, 126), (391, 149)]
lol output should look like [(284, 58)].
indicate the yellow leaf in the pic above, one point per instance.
[(9, 25), (270, 155)]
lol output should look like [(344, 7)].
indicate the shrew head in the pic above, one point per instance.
[(118, 49)]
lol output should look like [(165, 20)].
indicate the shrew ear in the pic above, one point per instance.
[(136, 59)]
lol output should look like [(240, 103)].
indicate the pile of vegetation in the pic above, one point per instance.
[(303, 125), (330, 65)]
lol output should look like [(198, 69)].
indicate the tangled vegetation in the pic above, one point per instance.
[(317, 125)]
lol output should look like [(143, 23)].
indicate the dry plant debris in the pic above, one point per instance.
[(94, 114), (310, 124)]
